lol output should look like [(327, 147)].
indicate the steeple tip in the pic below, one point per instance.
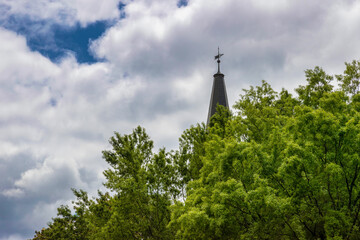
[(218, 93), (218, 56)]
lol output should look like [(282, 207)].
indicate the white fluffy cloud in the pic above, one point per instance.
[(55, 118), (274, 40), (62, 11), (55, 121)]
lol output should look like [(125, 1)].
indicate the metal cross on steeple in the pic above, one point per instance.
[(218, 59)]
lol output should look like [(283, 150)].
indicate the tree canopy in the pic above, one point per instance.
[(280, 167)]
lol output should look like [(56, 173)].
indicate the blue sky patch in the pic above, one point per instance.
[(54, 41), (77, 40), (121, 7), (182, 3), (53, 102)]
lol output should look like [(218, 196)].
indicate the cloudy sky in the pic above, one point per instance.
[(73, 72)]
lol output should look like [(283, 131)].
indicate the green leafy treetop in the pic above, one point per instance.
[(282, 167)]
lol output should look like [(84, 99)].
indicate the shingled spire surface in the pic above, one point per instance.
[(218, 93)]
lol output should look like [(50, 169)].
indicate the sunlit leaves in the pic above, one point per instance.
[(282, 167), (350, 81)]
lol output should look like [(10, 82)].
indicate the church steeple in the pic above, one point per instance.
[(218, 93)]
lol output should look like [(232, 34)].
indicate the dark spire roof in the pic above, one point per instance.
[(218, 93)]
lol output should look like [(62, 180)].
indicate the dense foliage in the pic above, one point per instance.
[(281, 167)]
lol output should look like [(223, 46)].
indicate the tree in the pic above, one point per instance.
[(141, 181), (187, 159), (318, 85), (142, 184), (350, 81), (290, 169), (282, 167), (68, 226)]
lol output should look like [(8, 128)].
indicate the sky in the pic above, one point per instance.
[(73, 72)]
